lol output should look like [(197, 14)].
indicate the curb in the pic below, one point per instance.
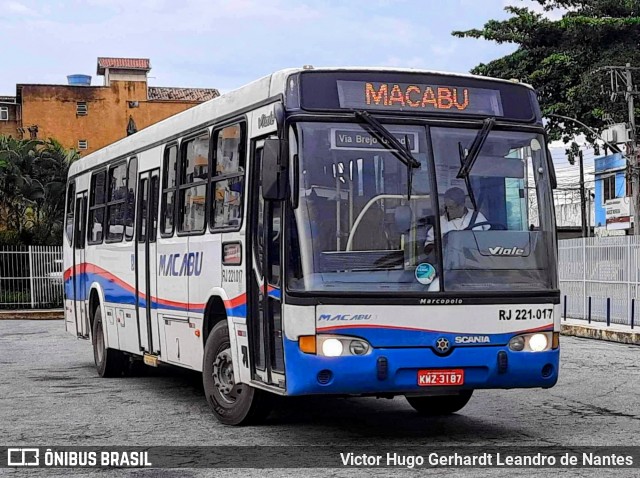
[(51, 314), (589, 332)]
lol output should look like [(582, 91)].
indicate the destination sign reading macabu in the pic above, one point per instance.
[(349, 139), (419, 97)]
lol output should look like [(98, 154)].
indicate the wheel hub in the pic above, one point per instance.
[(222, 375)]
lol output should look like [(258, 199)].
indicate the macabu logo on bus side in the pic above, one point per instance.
[(189, 264)]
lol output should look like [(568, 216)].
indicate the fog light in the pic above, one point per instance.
[(358, 347), (516, 343), (332, 348), (538, 342)]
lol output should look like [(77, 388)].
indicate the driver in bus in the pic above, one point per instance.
[(457, 217)]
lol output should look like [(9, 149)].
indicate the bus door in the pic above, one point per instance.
[(264, 314), (80, 280), (146, 274)]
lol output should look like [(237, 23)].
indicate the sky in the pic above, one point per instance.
[(227, 43)]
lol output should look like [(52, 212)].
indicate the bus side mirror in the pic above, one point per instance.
[(274, 172)]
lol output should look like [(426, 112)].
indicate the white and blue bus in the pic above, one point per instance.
[(354, 232)]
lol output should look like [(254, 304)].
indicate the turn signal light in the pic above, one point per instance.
[(556, 340), (307, 343)]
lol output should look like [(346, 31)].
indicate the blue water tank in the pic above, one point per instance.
[(79, 80)]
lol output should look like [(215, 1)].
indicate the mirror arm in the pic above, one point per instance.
[(295, 193)]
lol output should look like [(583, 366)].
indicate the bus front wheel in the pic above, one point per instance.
[(232, 403), (109, 362), (440, 404)]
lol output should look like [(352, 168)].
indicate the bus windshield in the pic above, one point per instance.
[(356, 228)]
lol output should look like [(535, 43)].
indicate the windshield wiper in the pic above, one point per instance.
[(469, 159), (388, 140)]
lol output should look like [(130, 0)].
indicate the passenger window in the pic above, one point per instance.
[(169, 176), (227, 183), (192, 194), (117, 198), (95, 233), (196, 159), (71, 202), (130, 206)]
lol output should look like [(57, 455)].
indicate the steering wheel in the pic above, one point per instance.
[(496, 226)]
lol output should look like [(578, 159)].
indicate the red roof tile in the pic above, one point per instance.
[(123, 63), (181, 94)]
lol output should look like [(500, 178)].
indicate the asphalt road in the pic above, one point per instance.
[(50, 395)]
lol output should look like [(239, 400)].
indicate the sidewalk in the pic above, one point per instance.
[(598, 330), (32, 314)]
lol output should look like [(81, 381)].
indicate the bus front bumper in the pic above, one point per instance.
[(484, 367)]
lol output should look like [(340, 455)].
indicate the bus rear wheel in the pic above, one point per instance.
[(109, 362), (232, 403), (440, 404)]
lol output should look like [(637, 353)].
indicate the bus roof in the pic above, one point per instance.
[(225, 104)]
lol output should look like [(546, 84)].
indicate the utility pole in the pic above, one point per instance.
[(631, 152), (583, 198), (622, 82)]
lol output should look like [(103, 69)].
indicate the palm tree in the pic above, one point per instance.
[(51, 170), (33, 175)]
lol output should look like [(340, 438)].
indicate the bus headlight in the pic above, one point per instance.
[(538, 342), (332, 348), (336, 346), (358, 347), (517, 343)]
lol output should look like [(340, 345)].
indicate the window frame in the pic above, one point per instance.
[(80, 106), (71, 204), (131, 203), (608, 185), (213, 179), (109, 203), (4, 109), (179, 208), (166, 190), (92, 207)]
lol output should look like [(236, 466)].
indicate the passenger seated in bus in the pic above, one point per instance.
[(457, 217)]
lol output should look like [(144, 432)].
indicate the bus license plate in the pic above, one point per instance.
[(441, 378)]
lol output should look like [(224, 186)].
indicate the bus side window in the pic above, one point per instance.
[(169, 176), (116, 202), (194, 171), (96, 208), (227, 179), (71, 202), (130, 207)]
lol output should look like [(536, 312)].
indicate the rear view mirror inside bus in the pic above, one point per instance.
[(274, 170)]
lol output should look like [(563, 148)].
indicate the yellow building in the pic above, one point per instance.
[(87, 117)]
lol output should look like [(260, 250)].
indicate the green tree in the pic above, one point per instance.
[(562, 59), (33, 175)]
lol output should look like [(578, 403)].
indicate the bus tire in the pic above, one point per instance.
[(232, 403), (440, 404), (109, 362)]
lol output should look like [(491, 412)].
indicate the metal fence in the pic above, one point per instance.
[(599, 278), (31, 277)]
